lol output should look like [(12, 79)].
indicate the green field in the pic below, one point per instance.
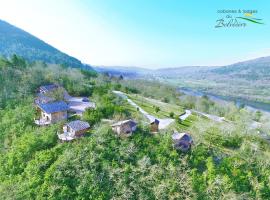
[(149, 106)]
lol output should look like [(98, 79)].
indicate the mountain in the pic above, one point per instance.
[(255, 69), (129, 72), (14, 40)]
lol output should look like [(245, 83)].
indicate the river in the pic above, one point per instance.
[(250, 105)]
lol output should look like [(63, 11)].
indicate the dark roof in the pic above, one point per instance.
[(156, 121), (48, 87), (182, 137), (53, 107), (78, 125)]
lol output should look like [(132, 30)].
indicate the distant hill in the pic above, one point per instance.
[(138, 72), (255, 69), (14, 40), (252, 69), (129, 72)]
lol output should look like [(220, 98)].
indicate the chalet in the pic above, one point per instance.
[(73, 130), (44, 89), (154, 125), (182, 141), (125, 128), (52, 112)]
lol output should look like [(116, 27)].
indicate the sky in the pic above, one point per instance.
[(143, 33)]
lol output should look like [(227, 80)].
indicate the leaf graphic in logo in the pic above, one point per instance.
[(253, 20)]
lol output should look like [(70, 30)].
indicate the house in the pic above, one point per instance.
[(52, 112), (73, 130), (125, 128), (44, 89), (154, 125), (182, 141)]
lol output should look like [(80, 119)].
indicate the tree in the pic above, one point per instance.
[(258, 115)]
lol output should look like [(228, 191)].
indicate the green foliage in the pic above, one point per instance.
[(92, 116), (131, 90), (226, 161), (171, 114), (214, 136), (108, 106), (151, 89), (257, 116)]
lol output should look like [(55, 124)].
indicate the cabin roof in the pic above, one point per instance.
[(78, 125), (156, 121), (49, 87), (53, 107), (129, 121), (182, 136)]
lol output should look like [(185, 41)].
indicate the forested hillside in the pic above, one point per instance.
[(227, 160), (16, 41)]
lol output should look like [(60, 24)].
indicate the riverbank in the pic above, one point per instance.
[(250, 105)]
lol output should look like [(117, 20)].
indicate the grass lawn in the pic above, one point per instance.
[(149, 106), (134, 113), (186, 124)]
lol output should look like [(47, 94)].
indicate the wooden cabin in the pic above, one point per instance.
[(125, 128), (52, 112), (154, 126), (73, 130), (182, 141)]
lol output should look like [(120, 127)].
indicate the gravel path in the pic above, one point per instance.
[(212, 117), (186, 115), (163, 123)]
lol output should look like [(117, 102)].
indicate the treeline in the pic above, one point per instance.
[(20, 79)]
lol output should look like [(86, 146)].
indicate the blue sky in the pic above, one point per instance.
[(144, 33)]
